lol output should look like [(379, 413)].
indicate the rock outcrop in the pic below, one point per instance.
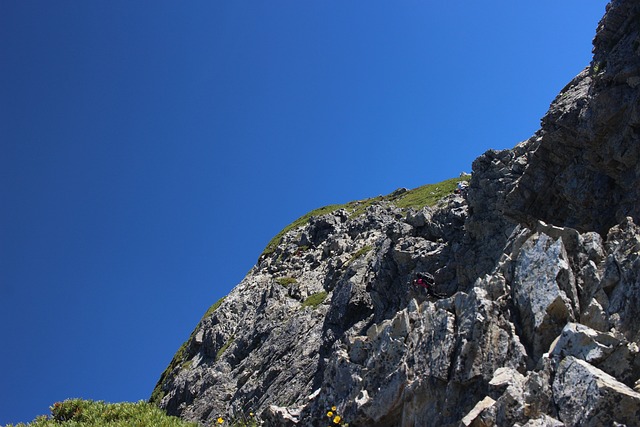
[(538, 264)]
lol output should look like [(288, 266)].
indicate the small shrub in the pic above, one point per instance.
[(88, 413), (224, 347), (597, 67), (360, 252), (315, 300), (286, 281)]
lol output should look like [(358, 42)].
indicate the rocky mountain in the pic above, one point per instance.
[(539, 267)]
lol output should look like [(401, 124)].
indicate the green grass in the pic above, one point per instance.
[(179, 359), (360, 252), (88, 413), (314, 300), (427, 195), (286, 281), (359, 207), (597, 67), (213, 308), (224, 347), (273, 244)]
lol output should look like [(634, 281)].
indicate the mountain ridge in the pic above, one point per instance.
[(538, 263)]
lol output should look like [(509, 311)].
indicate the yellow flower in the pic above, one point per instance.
[(333, 408), (220, 420), (337, 419), (251, 414), (329, 414)]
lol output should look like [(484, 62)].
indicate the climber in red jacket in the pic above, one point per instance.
[(427, 281)]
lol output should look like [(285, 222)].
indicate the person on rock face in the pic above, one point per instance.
[(427, 281), (462, 188)]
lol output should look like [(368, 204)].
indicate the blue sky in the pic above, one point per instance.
[(150, 150)]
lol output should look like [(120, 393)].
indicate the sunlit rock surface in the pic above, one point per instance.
[(538, 264)]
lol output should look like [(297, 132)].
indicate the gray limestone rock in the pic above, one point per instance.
[(583, 172), (537, 264), (587, 396), (544, 292)]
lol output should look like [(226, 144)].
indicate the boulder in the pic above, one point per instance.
[(587, 396), (544, 291)]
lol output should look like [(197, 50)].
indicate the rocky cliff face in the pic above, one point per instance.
[(539, 264)]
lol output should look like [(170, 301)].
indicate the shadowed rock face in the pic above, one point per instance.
[(584, 172), (539, 265)]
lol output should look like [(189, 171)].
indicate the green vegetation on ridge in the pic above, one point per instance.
[(426, 195), (180, 358), (87, 413), (273, 244), (213, 308)]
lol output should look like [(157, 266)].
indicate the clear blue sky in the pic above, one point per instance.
[(150, 150)]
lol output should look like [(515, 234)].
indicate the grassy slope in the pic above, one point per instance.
[(427, 195)]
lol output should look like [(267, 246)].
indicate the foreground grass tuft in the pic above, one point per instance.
[(88, 413)]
